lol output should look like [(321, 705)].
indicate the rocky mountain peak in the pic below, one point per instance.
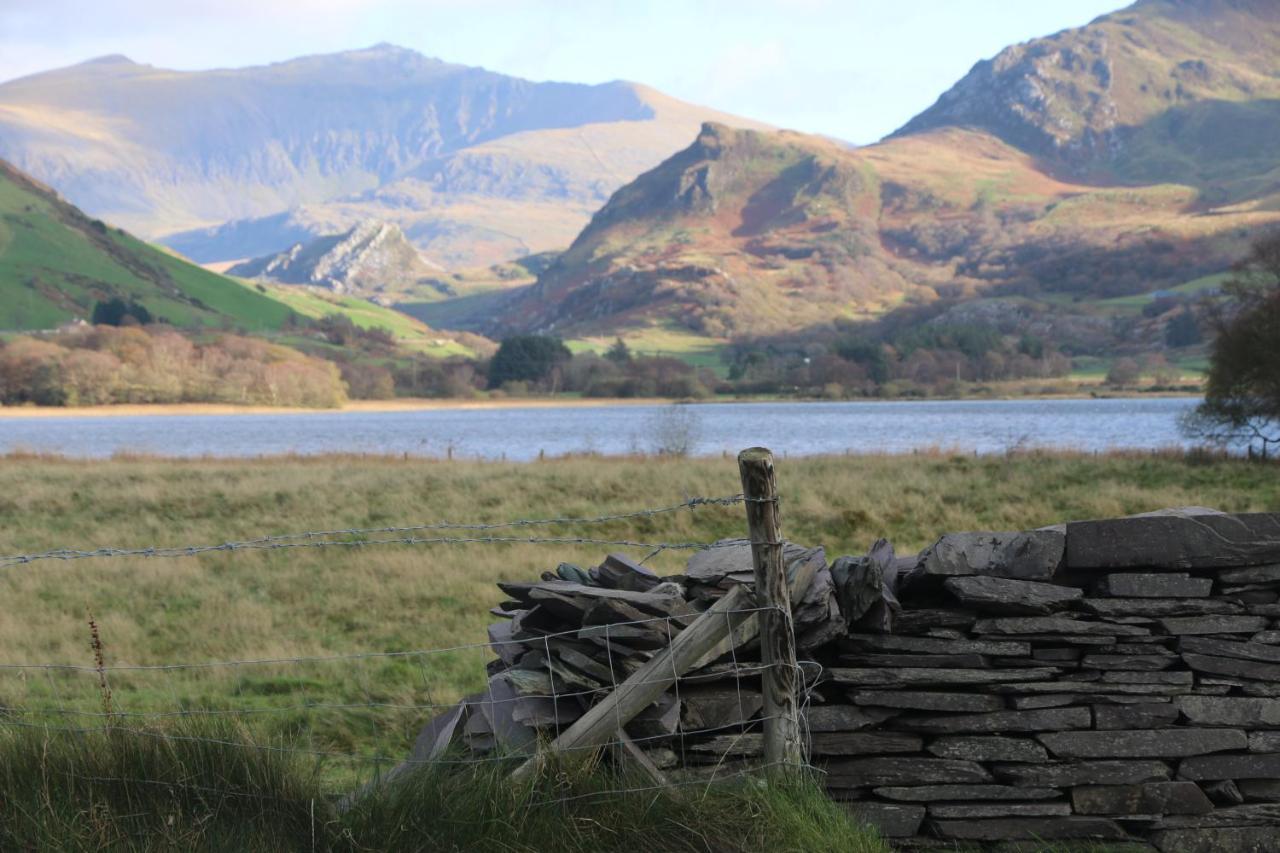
[(373, 260)]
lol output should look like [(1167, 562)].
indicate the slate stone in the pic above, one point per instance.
[(988, 749), (1063, 655), (1225, 840), (917, 621), (1053, 719), (889, 819), (1148, 648), (932, 646), (1157, 607), (1255, 766), (1253, 574), (1061, 700), (1174, 542), (915, 661), (1091, 691), (1230, 649), (1128, 662), (1024, 555), (863, 743), (924, 701), (972, 811), (1011, 597), (1253, 814), (618, 571), (728, 557), (815, 610), (1145, 716), (866, 588), (1270, 638), (877, 677), (717, 707), (972, 793), (1224, 793), (582, 597), (840, 718), (1257, 597), (1213, 624), (1181, 679), (1160, 798), (1155, 586), (899, 770), (1233, 667), (1161, 743), (1083, 773), (1242, 711), (1264, 741), (1267, 790), (1054, 625), (1083, 640), (1261, 688), (822, 743), (1031, 829)]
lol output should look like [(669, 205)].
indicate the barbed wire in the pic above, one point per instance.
[(326, 538)]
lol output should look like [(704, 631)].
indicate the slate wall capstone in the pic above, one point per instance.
[(1113, 681)]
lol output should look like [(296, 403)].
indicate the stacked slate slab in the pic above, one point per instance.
[(1113, 682)]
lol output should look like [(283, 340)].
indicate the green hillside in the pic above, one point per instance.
[(56, 263), (411, 333)]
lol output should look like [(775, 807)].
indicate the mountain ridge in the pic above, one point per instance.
[(211, 161)]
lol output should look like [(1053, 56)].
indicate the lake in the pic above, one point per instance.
[(982, 426)]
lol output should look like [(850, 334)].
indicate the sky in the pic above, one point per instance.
[(852, 69)]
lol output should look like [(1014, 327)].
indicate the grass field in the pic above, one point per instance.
[(306, 602)]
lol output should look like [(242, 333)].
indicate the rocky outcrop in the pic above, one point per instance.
[(372, 260)]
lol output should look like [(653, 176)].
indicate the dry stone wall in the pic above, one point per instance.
[(1111, 681)]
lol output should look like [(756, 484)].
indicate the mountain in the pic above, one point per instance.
[(56, 263), (1181, 91), (1015, 185), (373, 260), (475, 167)]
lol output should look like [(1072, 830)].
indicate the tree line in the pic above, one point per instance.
[(105, 364)]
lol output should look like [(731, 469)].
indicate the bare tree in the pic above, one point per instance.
[(673, 430)]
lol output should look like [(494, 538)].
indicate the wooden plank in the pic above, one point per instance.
[(598, 726), (780, 679)]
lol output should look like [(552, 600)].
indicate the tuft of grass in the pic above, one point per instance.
[(215, 787)]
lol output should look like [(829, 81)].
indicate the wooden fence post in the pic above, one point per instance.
[(780, 681)]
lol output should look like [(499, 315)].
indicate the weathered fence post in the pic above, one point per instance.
[(780, 680)]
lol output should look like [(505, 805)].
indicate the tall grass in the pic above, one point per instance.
[(212, 787)]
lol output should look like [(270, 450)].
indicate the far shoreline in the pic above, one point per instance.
[(453, 404)]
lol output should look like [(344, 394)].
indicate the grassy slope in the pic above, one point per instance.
[(410, 332), (55, 264), (309, 602)]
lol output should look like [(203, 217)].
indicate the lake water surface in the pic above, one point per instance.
[(984, 426)]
